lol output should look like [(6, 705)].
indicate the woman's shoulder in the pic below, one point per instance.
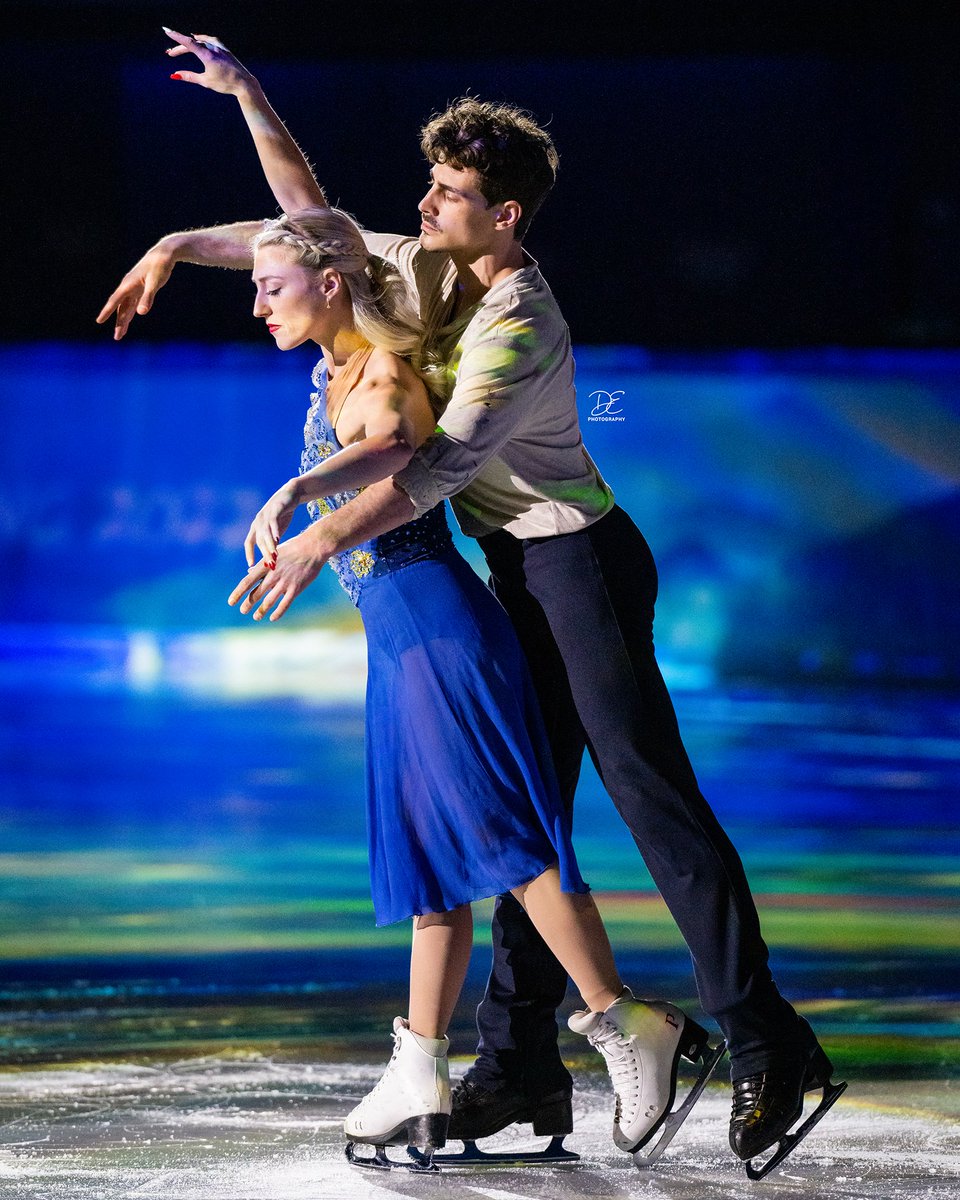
[(385, 369)]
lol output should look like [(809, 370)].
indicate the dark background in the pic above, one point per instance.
[(731, 174)]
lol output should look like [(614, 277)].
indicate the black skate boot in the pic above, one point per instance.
[(481, 1110), (767, 1105)]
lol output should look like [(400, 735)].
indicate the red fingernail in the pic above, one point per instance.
[(176, 75)]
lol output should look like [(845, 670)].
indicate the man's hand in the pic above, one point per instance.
[(139, 287), (299, 562), (222, 72)]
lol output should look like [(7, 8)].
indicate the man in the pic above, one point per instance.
[(572, 570)]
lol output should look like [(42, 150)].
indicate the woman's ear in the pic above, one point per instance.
[(330, 284)]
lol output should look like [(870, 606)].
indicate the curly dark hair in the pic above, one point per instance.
[(514, 157)]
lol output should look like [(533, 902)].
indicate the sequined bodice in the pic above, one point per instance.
[(426, 537)]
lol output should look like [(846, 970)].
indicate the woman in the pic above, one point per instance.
[(462, 802)]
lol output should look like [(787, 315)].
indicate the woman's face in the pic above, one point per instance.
[(290, 298)]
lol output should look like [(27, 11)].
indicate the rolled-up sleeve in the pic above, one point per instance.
[(418, 483), (505, 363)]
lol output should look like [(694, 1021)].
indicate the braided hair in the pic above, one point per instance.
[(329, 237)]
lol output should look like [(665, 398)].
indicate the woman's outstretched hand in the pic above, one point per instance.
[(270, 524), (222, 72)]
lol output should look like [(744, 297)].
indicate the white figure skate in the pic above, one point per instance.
[(410, 1106), (642, 1042)]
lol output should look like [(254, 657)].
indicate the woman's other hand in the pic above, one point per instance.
[(270, 524)]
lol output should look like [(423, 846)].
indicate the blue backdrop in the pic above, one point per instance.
[(802, 505)]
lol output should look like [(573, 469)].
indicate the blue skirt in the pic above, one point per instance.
[(462, 800)]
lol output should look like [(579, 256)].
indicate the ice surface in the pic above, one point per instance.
[(244, 1127)]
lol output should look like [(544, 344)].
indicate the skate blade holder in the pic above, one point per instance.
[(420, 1161), (430, 1130), (554, 1154), (788, 1143), (708, 1057)]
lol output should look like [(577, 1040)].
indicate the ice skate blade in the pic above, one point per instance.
[(645, 1157), (380, 1161), (473, 1156), (788, 1143)]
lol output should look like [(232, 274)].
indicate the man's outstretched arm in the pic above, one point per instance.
[(378, 509)]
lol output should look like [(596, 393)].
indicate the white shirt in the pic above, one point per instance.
[(508, 451)]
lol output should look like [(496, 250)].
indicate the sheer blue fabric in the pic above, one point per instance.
[(462, 801)]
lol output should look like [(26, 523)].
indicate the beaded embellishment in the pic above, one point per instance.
[(426, 537), (361, 562)]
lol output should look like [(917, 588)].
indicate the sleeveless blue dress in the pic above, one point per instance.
[(462, 800)]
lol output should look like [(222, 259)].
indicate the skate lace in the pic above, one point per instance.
[(621, 1066), (746, 1099), (383, 1078)]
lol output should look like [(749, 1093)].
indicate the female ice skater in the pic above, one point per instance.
[(462, 799)]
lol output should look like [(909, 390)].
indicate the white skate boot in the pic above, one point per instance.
[(410, 1106), (642, 1041)]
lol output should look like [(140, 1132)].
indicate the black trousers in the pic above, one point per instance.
[(582, 604)]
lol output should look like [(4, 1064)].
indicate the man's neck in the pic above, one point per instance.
[(477, 274)]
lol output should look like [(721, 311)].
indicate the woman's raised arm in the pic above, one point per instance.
[(287, 171)]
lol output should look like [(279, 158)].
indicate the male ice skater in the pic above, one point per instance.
[(572, 570)]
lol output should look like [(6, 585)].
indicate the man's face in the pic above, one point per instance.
[(455, 215)]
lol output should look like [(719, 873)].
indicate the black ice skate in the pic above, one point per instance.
[(766, 1107), (479, 1112)]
